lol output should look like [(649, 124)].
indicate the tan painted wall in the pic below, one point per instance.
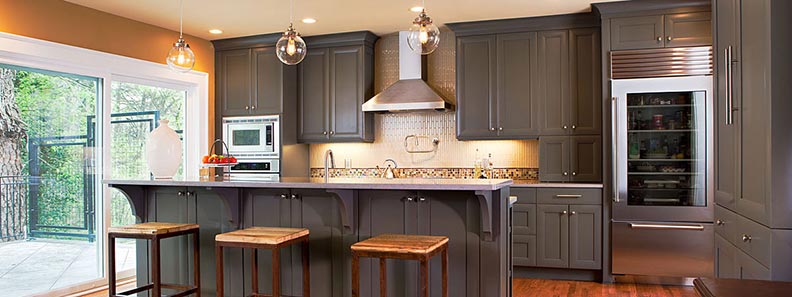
[(67, 23)]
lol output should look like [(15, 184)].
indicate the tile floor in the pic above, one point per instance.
[(36, 266)]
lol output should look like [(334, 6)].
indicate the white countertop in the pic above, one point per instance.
[(333, 183), (538, 184)]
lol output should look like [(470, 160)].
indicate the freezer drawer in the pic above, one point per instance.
[(663, 249)]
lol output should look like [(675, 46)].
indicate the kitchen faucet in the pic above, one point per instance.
[(327, 165)]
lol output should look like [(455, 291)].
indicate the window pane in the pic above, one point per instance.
[(47, 190)]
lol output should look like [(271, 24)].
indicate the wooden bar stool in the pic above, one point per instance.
[(397, 246), (154, 231), (269, 238)]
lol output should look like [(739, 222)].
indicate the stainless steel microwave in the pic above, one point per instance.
[(257, 136)]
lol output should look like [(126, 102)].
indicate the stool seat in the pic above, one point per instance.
[(262, 235), (152, 228), (401, 244)]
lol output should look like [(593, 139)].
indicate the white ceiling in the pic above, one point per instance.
[(251, 17)]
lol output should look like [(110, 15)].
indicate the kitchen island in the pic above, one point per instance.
[(339, 212)]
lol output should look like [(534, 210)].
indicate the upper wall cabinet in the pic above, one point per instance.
[(518, 80), (658, 31), (250, 81), (334, 81)]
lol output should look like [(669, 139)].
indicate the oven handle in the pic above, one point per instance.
[(666, 226)]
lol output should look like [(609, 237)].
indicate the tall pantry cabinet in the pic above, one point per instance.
[(753, 157)]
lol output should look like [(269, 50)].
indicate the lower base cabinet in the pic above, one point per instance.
[(733, 263)]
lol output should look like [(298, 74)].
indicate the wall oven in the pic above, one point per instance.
[(255, 142)]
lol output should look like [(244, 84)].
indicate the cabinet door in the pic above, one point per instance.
[(387, 212), (726, 265), (329, 248), (347, 93), (456, 215), (235, 82), (476, 60), (269, 83), (213, 218), (585, 81), (640, 32), (585, 236), (554, 163), (726, 134), (171, 205), (754, 199), (313, 94), (552, 236), (269, 208), (688, 29), (585, 158), (554, 82), (524, 234), (751, 269), (517, 104)]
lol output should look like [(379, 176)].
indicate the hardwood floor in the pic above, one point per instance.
[(542, 287)]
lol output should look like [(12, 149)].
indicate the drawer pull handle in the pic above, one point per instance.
[(746, 238), (569, 196), (666, 227)]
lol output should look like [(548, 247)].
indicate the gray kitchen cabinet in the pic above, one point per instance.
[(517, 102), (334, 80), (585, 63), (570, 158), (727, 265), (638, 32), (585, 236), (726, 151), (252, 81), (213, 222), (476, 87), (659, 31), (552, 236), (269, 208), (554, 78), (524, 227), (234, 82)]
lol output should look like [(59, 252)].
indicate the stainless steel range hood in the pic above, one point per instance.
[(410, 92)]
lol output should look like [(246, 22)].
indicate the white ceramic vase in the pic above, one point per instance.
[(163, 151)]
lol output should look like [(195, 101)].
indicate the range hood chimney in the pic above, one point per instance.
[(410, 92)]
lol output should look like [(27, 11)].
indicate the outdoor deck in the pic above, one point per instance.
[(40, 265)]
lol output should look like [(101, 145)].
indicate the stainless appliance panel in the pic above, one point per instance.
[(696, 205), (257, 136), (663, 248)]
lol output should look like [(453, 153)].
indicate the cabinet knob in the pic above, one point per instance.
[(573, 213), (190, 193), (566, 173), (492, 129), (574, 173), (421, 199), (324, 132), (247, 107), (659, 39), (294, 196), (746, 238), (253, 107), (574, 127), (719, 223), (564, 212), (500, 128), (565, 127), (332, 132), (284, 196), (408, 199), (669, 38), (179, 193)]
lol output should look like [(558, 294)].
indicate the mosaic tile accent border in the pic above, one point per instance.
[(463, 173)]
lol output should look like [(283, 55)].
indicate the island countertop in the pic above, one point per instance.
[(426, 184)]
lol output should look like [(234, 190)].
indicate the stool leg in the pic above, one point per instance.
[(219, 269), (306, 269), (276, 272), (254, 270), (383, 278), (156, 291), (445, 272), (424, 277), (355, 275), (197, 264), (111, 269)]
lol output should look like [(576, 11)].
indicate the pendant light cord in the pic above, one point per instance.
[(291, 12), (181, 18)]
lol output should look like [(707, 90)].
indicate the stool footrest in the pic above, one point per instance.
[(185, 290), (268, 295)]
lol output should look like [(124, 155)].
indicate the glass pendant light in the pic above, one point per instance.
[(291, 49), (424, 35), (180, 57)]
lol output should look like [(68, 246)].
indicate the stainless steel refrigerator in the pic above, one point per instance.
[(662, 210)]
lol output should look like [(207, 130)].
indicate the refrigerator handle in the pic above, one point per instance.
[(729, 86), (614, 147)]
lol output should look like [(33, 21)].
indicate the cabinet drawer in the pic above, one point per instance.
[(524, 219), (569, 196), (754, 239), (524, 195), (524, 250), (725, 222)]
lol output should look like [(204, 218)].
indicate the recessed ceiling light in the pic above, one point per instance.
[(417, 9), (309, 20), (216, 31)]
